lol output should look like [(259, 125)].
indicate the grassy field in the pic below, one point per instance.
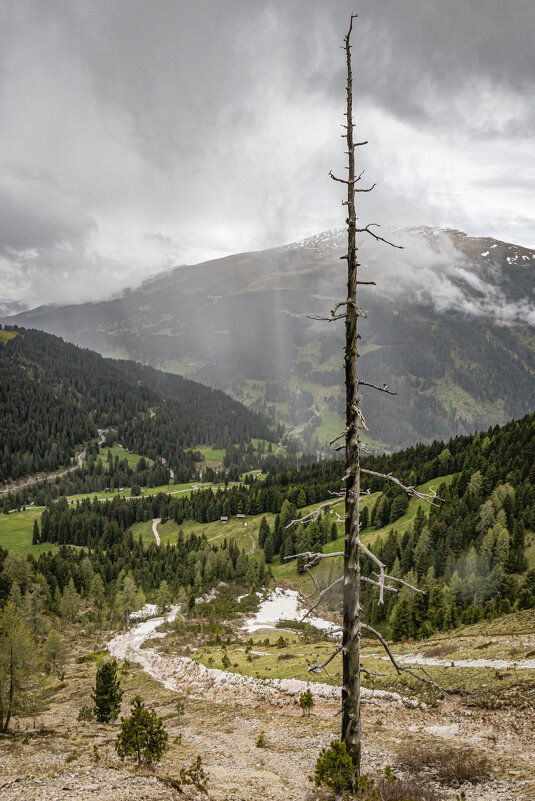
[(245, 536), (121, 453), (215, 455), (331, 425), (171, 489), (288, 572), (16, 531), (286, 653), (5, 336)]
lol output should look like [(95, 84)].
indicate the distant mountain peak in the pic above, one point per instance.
[(326, 241)]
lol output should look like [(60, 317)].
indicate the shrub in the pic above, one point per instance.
[(261, 740), (334, 768), (195, 774), (179, 706), (306, 701), (86, 713), (392, 788), (142, 735), (449, 765)]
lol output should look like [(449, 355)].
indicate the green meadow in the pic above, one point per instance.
[(16, 532), (121, 453)]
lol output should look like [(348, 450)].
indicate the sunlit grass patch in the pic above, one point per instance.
[(16, 533)]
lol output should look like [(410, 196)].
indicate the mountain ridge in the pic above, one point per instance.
[(452, 320)]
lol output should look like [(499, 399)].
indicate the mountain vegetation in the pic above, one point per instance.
[(469, 552), (54, 396), (472, 553)]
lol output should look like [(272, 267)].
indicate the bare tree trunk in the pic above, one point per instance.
[(11, 689), (352, 578), (351, 727)]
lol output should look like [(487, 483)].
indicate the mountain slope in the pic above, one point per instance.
[(450, 326), (54, 394)]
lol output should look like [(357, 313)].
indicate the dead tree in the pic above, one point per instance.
[(352, 624)]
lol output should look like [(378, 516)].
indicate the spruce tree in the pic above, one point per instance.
[(107, 693), (263, 532), (269, 549)]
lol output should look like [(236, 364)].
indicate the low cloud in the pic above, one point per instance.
[(431, 269)]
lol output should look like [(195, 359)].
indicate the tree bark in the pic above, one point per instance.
[(11, 688), (351, 725)]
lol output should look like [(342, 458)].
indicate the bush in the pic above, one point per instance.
[(195, 774), (449, 765), (261, 740), (179, 706), (142, 735), (393, 788), (86, 713), (306, 701), (334, 768)]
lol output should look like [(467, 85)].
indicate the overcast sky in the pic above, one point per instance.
[(137, 135)]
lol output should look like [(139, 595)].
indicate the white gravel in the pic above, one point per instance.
[(283, 605)]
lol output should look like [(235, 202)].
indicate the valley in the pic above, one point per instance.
[(460, 327), (236, 682), (267, 484), (168, 496)]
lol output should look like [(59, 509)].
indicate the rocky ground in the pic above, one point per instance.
[(52, 756)]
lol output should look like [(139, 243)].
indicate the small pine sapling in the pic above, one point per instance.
[(306, 701), (195, 775)]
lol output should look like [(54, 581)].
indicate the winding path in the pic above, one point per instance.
[(36, 479), (429, 661), (155, 521)]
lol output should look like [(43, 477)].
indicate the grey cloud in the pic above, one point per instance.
[(431, 269), (214, 125), (34, 213)]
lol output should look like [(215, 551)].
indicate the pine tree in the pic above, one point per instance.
[(269, 549), (54, 651), (263, 532), (97, 590), (400, 622), (163, 598), (70, 602), (142, 735), (306, 701), (107, 693), (17, 663)]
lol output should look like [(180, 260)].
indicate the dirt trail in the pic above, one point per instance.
[(37, 478), (496, 731), (155, 521)]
